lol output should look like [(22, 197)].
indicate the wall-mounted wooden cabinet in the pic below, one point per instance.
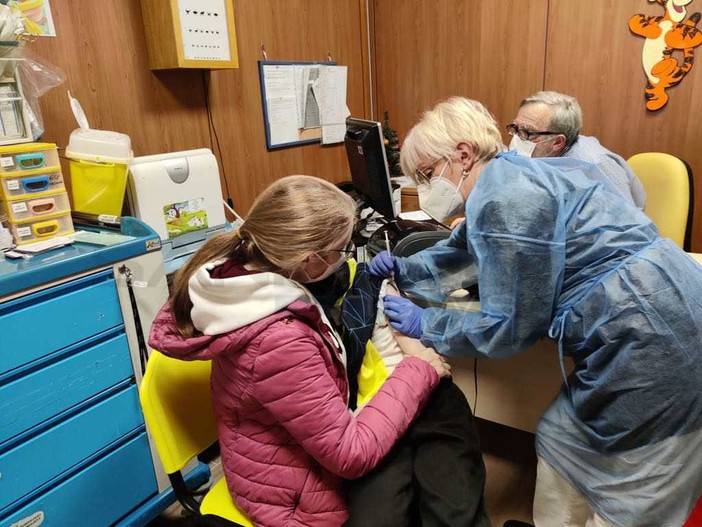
[(190, 34)]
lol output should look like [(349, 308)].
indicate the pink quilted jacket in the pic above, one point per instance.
[(280, 398)]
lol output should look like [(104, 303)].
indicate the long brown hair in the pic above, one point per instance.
[(292, 219)]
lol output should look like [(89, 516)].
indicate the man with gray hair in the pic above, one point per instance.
[(548, 125)]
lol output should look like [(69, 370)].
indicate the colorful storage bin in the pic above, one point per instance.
[(21, 185), (30, 156), (41, 229), (34, 205), (35, 208)]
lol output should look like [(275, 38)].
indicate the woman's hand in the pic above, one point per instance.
[(383, 265), (436, 361), (414, 348), (403, 315)]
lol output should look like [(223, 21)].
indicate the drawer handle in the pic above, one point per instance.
[(42, 206), (33, 160), (35, 184), (45, 228)]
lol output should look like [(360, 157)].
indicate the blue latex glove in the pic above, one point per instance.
[(384, 264), (404, 316)]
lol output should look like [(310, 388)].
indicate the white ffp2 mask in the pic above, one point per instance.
[(440, 199), (522, 146)]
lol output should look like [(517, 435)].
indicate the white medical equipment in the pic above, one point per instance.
[(179, 195)]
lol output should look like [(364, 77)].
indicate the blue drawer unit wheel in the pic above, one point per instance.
[(99, 495), (38, 324), (44, 457)]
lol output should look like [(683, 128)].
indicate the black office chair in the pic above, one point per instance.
[(418, 241)]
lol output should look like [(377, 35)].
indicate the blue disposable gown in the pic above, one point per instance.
[(558, 253)]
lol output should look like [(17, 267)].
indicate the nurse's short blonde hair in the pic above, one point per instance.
[(438, 132)]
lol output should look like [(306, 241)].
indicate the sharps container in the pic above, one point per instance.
[(99, 161)]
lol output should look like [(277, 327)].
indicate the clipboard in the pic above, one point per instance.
[(288, 101)]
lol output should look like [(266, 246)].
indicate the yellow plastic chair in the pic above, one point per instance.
[(669, 194), (175, 396)]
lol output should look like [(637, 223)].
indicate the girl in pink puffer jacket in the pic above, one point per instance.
[(278, 374)]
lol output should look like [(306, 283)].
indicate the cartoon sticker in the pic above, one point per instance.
[(184, 217), (665, 36)]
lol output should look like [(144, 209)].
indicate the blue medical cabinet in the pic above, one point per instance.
[(74, 449)]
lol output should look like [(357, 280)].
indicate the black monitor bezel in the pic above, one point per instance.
[(351, 121)]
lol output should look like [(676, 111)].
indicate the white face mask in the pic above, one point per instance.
[(522, 146), (440, 199), (331, 268)]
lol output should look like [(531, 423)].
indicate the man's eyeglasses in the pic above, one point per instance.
[(526, 135), (349, 251)]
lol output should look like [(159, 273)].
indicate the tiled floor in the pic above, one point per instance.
[(511, 471)]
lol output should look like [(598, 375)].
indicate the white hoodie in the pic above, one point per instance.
[(221, 305)]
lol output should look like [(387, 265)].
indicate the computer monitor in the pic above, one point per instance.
[(365, 149)]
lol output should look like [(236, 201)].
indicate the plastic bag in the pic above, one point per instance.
[(37, 78)]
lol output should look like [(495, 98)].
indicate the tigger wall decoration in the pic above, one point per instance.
[(665, 35)]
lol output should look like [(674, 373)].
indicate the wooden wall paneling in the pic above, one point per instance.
[(101, 48), (368, 62), (290, 30), (426, 51), (592, 55)]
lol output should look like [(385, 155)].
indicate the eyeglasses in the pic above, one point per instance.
[(349, 251), (513, 129), (424, 175)]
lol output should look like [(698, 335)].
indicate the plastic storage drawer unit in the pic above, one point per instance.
[(32, 183), (36, 208), (42, 229), (32, 156)]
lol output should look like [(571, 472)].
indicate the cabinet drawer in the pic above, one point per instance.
[(100, 494), (28, 157), (33, 399), (38, 324), (32, 183), (36, 208), (34, 462), (40, 229)]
